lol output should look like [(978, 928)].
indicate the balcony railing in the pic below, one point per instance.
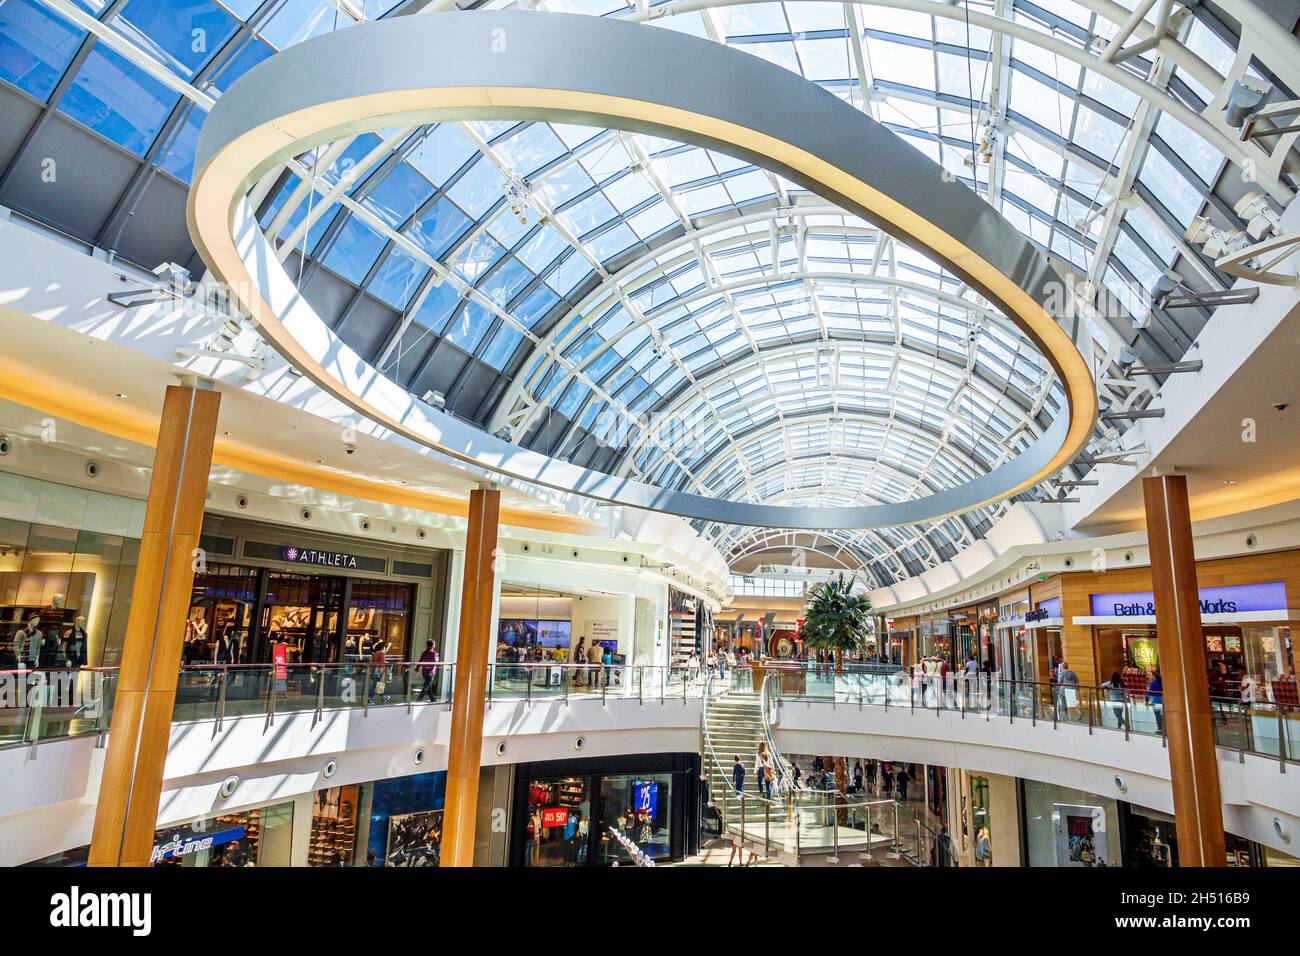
[(43, 705)]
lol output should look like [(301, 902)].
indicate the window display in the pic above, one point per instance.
[(259, 837), (638, 807), (68, 591), (565, 810), (334, 827), (1067, 827), (558, 822)]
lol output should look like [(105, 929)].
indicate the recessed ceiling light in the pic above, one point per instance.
[(119, 394), (1230, 481)]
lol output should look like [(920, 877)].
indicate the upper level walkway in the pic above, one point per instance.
[(284, 732)]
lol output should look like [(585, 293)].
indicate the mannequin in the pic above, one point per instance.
[(227, 649), (27, 642), (77, 644), (54, 614), (51, 647)]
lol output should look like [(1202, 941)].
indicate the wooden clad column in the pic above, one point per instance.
[(127, 810), (470, 693), (1189, 726)]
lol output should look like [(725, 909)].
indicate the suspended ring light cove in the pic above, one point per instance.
[(591, 71)]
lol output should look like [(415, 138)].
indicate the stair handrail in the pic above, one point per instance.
[(783, 775), (848, 801)]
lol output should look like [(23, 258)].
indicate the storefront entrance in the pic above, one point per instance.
[(248, 615), (565, 810)]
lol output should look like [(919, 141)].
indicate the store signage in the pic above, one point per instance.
[(178, 847), (1046, 609), (1233, 599), (326, 559), (555, 816)]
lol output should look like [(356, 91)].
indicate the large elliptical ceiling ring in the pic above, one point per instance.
[(586, 70)]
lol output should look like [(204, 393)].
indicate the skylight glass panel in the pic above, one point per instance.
[(469, 325), (440, 152), (565, 277), (398, 277), (530, 149), (824, 60), (249, 54), (963, 76), (439, 227), (299, 20), (354, 250), (1040, 104), (1180, 197), (478, 189), (179, 156), (902, 63), (396, 197), (473, 260), (181, 34), (752, 19), (1098, 135), (36, 46), (779, 52), (502, 347), (118, 100), (1204, 159)]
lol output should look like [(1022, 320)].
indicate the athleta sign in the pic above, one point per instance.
[(1234, 599), (328, 559)]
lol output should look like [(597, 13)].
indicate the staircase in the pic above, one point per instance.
[(733, 727), (797, 826)]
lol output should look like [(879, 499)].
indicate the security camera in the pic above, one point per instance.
[(5, 444), (350, 449), (1281, 406)]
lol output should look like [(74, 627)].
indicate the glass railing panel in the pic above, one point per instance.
[(296, 687), (71, 702), (344, 685), (247, 689)]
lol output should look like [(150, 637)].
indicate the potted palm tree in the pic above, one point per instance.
[(837, 620)]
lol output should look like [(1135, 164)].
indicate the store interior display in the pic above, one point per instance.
[(66, 579), (241, 614), (334, 827)]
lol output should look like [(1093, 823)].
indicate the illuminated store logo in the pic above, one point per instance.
[(178, 847), (328, 559), (1233, 599)]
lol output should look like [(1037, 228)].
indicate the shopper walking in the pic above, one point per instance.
[(1114, 691), (738, 776), (887, 781), (429, 671), (764, 770), (596, 658), (900, 781), (1156, 701), (1067, 682)]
